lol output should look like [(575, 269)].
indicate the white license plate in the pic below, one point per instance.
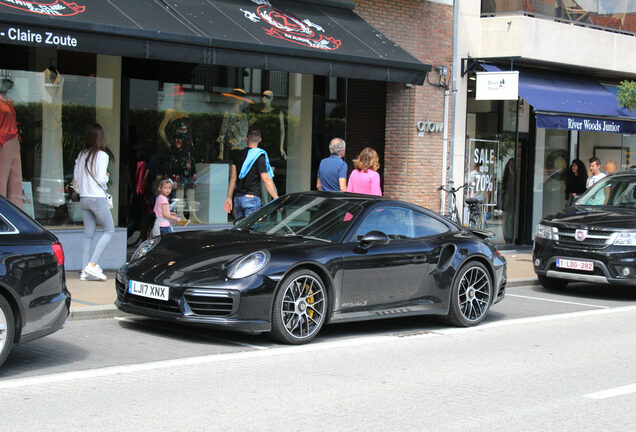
[(148, 290), (575, 265)]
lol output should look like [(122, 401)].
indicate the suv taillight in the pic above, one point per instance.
[(59, 252)]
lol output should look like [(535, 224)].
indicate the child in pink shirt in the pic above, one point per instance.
[(365, 179), (162, 207)]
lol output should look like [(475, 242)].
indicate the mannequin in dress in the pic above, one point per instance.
[(51, 166), (181, 150), (271, 121), (267, 108), (10, 162), (235, 123)]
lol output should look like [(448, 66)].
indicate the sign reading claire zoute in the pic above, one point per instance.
[(497, 85)]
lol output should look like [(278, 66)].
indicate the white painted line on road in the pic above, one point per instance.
[(289, 350), (557, 301), (190, 361), (617, 391)]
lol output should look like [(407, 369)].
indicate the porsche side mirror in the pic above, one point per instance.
[(372, 238)]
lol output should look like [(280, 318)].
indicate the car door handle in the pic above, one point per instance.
[(418, 260)]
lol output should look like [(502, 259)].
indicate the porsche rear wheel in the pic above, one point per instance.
[(7, 329), (471, 295), (299, 308)]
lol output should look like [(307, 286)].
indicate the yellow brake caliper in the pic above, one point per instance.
[(310, 301)]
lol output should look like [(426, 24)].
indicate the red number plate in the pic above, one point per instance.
[(575, 265)]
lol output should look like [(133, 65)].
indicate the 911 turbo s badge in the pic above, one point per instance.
[(289, 28), (52, 7)]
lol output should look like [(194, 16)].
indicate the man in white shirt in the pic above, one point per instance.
[(597, 174)]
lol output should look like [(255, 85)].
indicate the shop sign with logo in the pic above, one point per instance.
[(428, 127), (281, 25), (497, 85)]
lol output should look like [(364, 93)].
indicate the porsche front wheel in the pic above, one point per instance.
[(300, 307), (470, 295)]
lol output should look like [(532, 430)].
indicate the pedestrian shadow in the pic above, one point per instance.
[(39, 357)]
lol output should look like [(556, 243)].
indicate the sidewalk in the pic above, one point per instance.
[(93, 300)]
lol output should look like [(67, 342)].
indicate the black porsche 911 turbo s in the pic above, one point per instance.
[(307, 259), (34, 300)]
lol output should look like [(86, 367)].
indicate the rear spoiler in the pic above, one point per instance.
[(484, 234)]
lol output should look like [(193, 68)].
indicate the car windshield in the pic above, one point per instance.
[(611, 191), (309, 216)]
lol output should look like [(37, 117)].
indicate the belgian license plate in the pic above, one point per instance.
[(148, 290), (575, 264)]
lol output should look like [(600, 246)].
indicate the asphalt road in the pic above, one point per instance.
[(542, 360)]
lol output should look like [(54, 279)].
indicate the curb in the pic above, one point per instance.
[(518, 282), (95, 312), (83, 313)]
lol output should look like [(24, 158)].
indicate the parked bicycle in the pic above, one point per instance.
[(451, 210), (476, 216)]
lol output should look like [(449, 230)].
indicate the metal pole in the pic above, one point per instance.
[(445, 147)]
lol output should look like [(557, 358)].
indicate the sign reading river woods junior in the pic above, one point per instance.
[(482, 176)]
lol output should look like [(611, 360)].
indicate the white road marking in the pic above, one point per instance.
[(288, 350), (616, 391), (557, 301)]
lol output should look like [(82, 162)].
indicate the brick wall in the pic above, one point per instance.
[(412, 164)]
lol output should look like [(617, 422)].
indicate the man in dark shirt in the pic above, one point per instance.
[(250, 166)]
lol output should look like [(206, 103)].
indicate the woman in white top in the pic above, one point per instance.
[(91, 178)]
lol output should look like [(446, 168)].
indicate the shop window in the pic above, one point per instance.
[(190, 129), (53, 109)]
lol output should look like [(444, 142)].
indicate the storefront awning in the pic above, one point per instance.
[(572, 103), (284, 35)]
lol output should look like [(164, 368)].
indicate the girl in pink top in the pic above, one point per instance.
[(365, 179), (162, 207)]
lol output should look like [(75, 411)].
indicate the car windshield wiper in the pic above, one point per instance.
[(307, 237)]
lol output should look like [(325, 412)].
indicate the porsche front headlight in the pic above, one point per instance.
[(144, 248), (248, 265)]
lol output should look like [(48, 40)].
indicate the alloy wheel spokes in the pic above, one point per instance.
[(474, 294), (3, 330), (303, 306)]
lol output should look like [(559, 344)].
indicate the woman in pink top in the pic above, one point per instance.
[(365, 179)]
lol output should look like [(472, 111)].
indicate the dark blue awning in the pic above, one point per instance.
[(572, 102)]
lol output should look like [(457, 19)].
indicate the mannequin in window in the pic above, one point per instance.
[(10, 163), (271, 120), (235, 123), (181, 154), (266, 115), (52, 163)]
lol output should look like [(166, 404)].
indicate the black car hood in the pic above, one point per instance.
[(595, 217), (207, 251)]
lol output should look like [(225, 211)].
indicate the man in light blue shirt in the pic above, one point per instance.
[(332, 173)]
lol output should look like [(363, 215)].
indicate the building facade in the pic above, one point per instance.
[(176, 86), (570, 56)]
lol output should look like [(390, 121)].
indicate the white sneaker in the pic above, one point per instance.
[(87, 277), (94, 271)]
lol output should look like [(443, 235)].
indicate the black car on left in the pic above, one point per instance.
[(34, 300), (312, 258)]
